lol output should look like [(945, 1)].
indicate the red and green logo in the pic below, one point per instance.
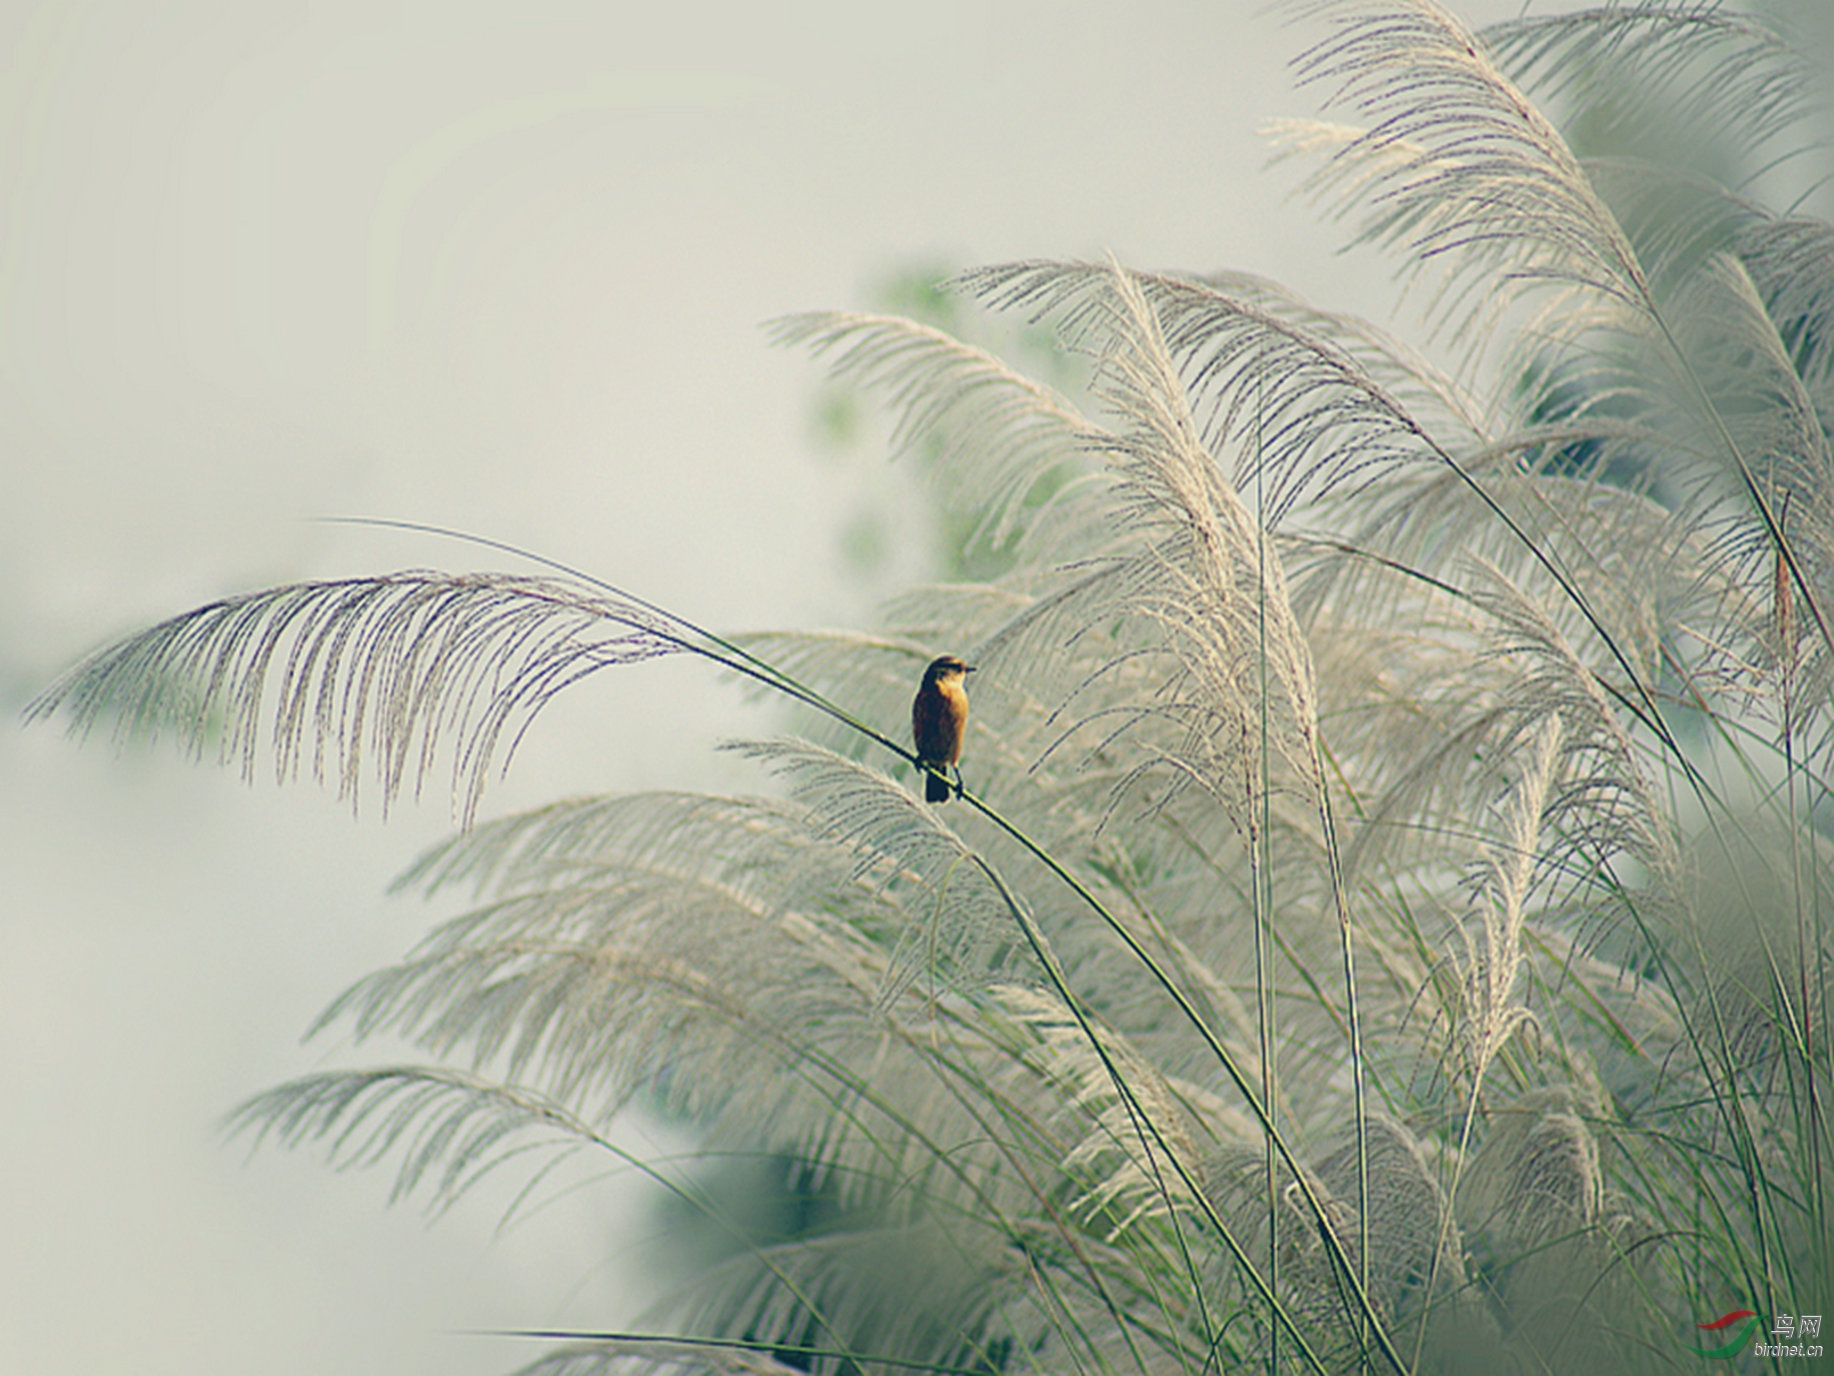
[(1720, 1325)]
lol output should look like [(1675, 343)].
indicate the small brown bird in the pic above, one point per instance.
[(939, 716)]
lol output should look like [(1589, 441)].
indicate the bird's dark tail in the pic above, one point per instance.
[(935, 786)]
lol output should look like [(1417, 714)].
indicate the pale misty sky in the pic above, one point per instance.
[(499, 268)]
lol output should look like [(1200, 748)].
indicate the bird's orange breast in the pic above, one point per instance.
[(938, 718)]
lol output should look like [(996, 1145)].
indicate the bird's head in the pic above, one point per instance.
[(946, 669)]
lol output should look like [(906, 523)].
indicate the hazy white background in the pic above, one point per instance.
[(499, 268)]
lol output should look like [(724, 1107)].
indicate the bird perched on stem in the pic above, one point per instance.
[(939, 716)]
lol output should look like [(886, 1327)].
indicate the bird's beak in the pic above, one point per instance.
[(969, 668)]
